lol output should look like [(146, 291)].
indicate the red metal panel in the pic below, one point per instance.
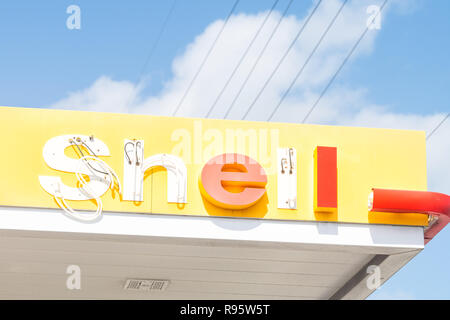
[(326, 177)]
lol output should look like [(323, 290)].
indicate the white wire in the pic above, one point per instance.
[(111, 173), (87, 216), (80, 216)]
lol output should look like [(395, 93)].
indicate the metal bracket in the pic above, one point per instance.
[(133, 159), (287, 178)]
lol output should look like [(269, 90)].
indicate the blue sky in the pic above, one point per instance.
[(42, 60), (398, 78)]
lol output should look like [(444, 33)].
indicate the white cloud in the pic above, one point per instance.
[(341, 105), (104, 95)]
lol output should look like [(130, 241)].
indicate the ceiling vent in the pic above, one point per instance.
[(146, 285)]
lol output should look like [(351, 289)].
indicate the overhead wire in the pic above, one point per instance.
[(307, 60), (257, 60), (342, 65), (282, 58), (154, 46), (438, 126), (241, 59), (205, 59)]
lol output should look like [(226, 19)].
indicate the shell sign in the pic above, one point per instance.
[(88, 162)]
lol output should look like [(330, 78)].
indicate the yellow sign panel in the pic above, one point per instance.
[(366, 159)]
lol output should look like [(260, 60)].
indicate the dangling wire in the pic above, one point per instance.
[(85, 216), (80, 216), (107, 170), (126, 152), (82, 154)]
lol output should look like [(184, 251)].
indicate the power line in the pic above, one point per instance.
[(438, 126), (205, 59), (281, 60), (158, 38), (242, 59), (149, 56), (307, 60), (155, 44), (343, 63), (257, 60)]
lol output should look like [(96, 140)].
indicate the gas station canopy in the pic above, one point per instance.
[(150, 207)]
